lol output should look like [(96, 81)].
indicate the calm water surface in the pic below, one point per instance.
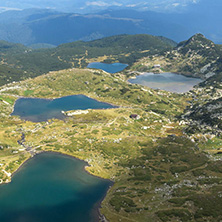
[(111, 68), (51, 188), (167, 81), (38, 110)]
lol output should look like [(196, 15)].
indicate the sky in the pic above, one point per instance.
[(96, 5)]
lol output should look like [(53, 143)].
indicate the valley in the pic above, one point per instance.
[(158, 147)]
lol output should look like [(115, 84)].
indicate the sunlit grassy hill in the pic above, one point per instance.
[(123, 48), (158, 171)]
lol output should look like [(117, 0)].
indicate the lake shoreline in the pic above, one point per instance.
[(168, 81), (62, 117), (97, 206), (138, 73), (111, 68)]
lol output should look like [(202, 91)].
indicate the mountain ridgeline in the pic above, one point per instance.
[(198, 57), (122, 48), (34, 26), (202, 55)]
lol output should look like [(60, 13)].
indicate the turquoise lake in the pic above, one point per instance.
[(52, 187), (39, 110), (166, 81), (111, 68)]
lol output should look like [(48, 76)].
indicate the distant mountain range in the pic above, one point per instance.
[(48, 28)]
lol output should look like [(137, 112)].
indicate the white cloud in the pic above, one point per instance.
[(2, 9), (76, 5), (142, 5), (175, 4), (98, 3), (131, 6), (102, 4), (117, 4)]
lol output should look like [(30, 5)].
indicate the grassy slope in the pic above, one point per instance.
[(123, 48), (155, 179), (198, 57)]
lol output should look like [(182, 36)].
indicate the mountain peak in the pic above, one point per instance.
[(198, 35), (198, 43), (199, 38)]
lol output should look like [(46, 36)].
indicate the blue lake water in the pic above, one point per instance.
[(38, 110), (111, 68), (166, 81), (52, 188)]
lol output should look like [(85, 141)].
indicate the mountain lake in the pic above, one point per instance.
[(51, 187), (39, 110), (166, 81), (111, 68)]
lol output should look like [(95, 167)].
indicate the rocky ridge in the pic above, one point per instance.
[(197, 57)]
